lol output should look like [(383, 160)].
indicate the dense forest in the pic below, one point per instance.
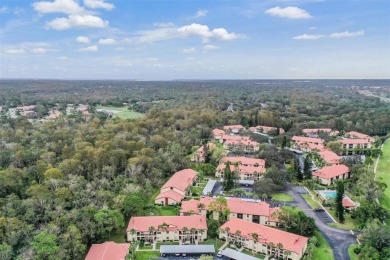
[(76, 180)]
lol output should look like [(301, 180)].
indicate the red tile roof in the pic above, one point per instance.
[(234, 204), (316, 130), (290, 241), (108, 251), (243, 160), (235, 138), (181, 179), (174, 222), (348, 203), (242, 169), (358, 135), (303, 139), (172, 195), (218, 132), (329, 157), (354, 141), (311, 146), (328, 172), (230, 127)]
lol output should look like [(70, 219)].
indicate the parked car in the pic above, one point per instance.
[(319, 209), (219, 254)]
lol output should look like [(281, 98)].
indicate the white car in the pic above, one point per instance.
[(219, 254)]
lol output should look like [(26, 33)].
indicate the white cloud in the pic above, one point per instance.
[(290, 12), (82, 21), (200, 13), (309, 37), (89, 48), (107, 41), (83, 39), (15, 51), (98, 4), (312, 28), (205, 33), (332, 35), (188, 50), (58, 6), (346, 34), (38, 51), (210, 47)]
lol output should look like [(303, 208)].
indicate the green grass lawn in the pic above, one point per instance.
[(118, 237), (313, 204), (248, 252), (166, 211), (124, 113), (349, 223), (281, 197), (383, 173), (145, 255), (351, 253), (323, 252), (216, 242)]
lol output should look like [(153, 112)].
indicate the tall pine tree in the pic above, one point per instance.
[(339, 201), (307, 168)]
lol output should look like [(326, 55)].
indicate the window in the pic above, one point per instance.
[(239, 215)]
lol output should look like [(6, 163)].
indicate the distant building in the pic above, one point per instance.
[(247, 168), (263, 239), (299, 140), (199, 155), (246, 146), (355, 146), (108, 251), (358, 135), (329, 157), (313, 132), (183, 229), (177, 187), (234, 129), (348, 203), (218, 133), (265, 129), (257, 212), (328, 174)]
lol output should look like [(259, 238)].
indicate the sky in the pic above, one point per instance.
[(195, 39)]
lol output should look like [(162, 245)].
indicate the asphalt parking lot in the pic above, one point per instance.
[(324, 216)]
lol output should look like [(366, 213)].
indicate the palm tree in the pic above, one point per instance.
[(255, 236), (193, 231), (279, 246), (201, 232), (201, 206), (264, 196), (288, 253), (151, 232), (238, 234), (271, 246), (184, 230)]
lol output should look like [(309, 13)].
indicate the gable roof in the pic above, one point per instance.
[(172, 195), (328, 172), (354, 141), (241, 169), (230, 127), (348, 203), (307, 139), (173, 222), (235, 205), (266, 234), (108, 251), (358, 135), (243, 160), (329, 156), (181, 179), (217, 132)]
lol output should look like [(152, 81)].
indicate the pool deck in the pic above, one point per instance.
[(322, 193)]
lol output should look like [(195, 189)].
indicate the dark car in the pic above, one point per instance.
[(319, 209)]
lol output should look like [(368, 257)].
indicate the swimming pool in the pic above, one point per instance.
[(328, 194)]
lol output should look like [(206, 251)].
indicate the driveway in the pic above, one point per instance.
[(338, 239)]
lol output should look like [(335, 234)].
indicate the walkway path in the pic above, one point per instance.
[(339, 239)]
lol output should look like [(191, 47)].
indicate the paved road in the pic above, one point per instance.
[(339, 240)]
